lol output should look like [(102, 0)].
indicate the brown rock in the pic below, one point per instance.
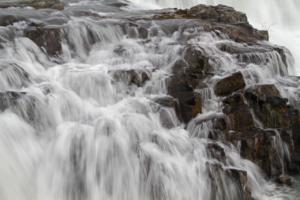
[(230, 84)]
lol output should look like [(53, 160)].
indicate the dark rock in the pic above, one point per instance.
[(218, 13), (136, 77), (258, 146), (6, 20), (166, 118), (221, 178), (49, 39), (15, 75), (38, 4), (230, 84), (9, 98), (167, 104), (270, 108), (181, 87), (284, 180), (197, 61)]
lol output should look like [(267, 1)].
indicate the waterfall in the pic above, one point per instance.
[(91, 118), (280, 18)]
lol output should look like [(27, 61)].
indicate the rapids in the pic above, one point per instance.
[(75, 128)]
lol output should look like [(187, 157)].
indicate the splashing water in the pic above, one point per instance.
[(90, 127)]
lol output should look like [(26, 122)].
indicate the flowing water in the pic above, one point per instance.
[(76, 129), (279, 17)]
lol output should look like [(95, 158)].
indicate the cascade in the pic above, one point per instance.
[(280, 18), (86, 111)]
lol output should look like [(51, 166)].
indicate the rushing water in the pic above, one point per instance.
[(279, 17), (79, 131)]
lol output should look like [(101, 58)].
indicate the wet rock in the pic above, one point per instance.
[(241, 34), (38, 4), (230, 84), (9, 98), (49, 39), (181, 86), (284, 180), (136, 77), (221, 178), (219, 19), (238, 113), (258, 146), (6, 20), (167, 101), (167, 105), (166, 118), (219, 13), (216, 152), (270, 108), (197, 61)]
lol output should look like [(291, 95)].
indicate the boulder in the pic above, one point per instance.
[(230, 84)]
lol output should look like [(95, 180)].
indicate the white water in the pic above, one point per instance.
[(279, 17), (78, 133)]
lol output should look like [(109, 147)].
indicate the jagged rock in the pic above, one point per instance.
[(49, 39), (230, 84)]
